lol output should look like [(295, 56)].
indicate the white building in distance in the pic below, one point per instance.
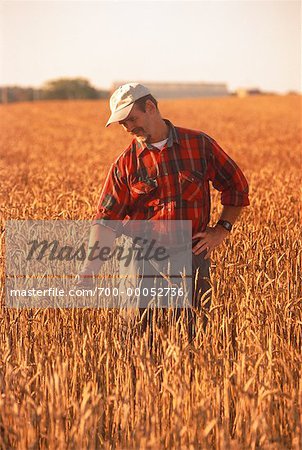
[(162, 90)]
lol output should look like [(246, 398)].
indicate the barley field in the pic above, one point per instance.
[(85, 379)]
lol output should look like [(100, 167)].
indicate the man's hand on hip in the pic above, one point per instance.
[(209, 239)]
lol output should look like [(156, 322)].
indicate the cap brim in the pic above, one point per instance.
[(119, 115)]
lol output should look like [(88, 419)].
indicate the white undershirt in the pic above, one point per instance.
[(160, 144)]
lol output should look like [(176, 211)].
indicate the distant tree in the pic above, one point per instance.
[(62, 88), (69, 88), (103, 93)]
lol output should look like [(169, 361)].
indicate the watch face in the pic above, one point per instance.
[(227, 225)]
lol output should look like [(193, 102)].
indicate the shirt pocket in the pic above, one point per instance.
[(191, 184), (141, 190)]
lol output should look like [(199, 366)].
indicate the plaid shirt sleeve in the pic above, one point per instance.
[(114, 198), (227, 177)]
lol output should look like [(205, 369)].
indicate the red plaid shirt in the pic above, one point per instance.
[(146, 183)]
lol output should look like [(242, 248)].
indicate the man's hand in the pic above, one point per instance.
[(85, 281), (99, 236), (209, 239), (87, 277)]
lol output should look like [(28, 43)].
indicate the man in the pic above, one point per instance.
[(164, 174)]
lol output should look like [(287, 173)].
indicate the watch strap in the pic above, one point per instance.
[(226, 224)]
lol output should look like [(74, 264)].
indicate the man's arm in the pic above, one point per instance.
[(100, 237), (227, 178), (214, 236), (230, 213)]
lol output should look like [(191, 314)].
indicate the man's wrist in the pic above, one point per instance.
[(225, 224), (221, 231)]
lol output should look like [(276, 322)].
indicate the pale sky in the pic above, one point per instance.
[(248, 43)]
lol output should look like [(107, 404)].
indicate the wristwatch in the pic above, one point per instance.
[(227, 225)]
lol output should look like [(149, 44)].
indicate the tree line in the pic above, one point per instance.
[(59, 89)]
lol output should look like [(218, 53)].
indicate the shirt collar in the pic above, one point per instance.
[(172, 138)]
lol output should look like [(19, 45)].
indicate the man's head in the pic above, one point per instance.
[(133, 107)]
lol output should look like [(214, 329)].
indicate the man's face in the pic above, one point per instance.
[(138, 123)]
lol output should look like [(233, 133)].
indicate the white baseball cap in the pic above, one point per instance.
[(122, 99)]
